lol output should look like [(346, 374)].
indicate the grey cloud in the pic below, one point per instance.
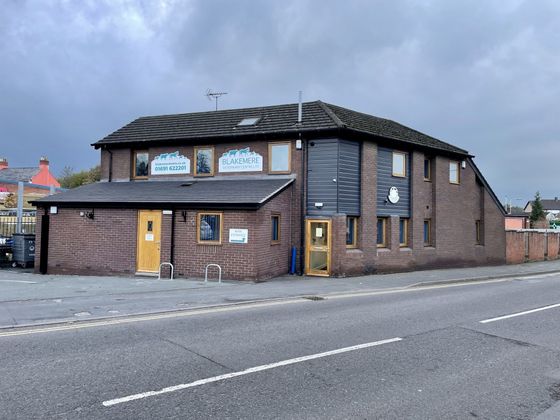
[(482, 75)]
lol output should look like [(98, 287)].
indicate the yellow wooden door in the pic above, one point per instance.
[(318, 247), (149, 240)]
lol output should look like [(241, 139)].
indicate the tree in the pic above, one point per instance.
[(537, 211), (11, 201), (70, 179)]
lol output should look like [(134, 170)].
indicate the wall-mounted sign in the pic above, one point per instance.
[(171, 164), (240, 160), (239, 236), (393, 196)]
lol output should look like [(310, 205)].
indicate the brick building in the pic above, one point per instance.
[(350, 193), (37, 181)]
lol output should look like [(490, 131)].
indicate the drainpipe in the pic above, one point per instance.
[(303, 206), (172, 250)]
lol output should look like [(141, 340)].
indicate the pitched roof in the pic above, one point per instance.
[(216, 193), (551, 204), (279, 119), (18, 174)]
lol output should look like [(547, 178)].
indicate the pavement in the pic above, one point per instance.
[(28, 299)]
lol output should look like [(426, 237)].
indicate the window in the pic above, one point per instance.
[(248, 121), (478, 232), (209, 228), (427, 169), (279, 157), (275, 219), (427, 232), (403, 232), (351, 232), (204, 161), (454, 176), (381, 232), (399, 164), (140, 163)]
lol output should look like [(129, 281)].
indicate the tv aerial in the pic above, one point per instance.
[(214, 96)]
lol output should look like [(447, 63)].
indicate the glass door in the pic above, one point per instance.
[(318, 247)]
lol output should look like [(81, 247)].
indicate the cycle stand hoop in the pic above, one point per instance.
[(219, 273), (166, 264)]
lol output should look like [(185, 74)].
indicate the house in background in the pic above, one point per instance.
[(244, 188), (516, 220), (38, 181), (550, 207)]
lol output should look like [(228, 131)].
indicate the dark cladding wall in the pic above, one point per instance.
[(333, 177), (107, 244), (349, 177), (386, 180)]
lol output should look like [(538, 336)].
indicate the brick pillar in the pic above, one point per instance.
[(338, 244), (367, 229), (393, 234), (165, 245)]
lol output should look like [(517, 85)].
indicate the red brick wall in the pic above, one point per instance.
[(258, 259), (532, 246), (536, 246), (78, 245), (515, 247), (107, 244), (553, 246)]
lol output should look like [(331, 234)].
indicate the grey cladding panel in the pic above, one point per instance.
[(321, 170), (386, 180), (349, 178)]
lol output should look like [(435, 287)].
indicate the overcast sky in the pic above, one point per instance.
[(481, 74)]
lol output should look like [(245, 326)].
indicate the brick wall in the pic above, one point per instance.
[(452, 210), (122, 159), (515, 247), (78, 245), (107, 244), (525, 246)]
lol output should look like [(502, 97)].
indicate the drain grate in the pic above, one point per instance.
[(314, 298)]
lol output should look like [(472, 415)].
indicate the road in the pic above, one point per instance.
[(415, 354)]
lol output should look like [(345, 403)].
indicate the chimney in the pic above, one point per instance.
[(3, 163), (44, 162)]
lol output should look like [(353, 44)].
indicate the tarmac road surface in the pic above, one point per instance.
[(489, 351)]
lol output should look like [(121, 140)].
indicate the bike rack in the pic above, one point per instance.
[(161, 265), (219, 273)]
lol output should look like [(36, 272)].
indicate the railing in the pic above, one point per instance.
[(8, 225)]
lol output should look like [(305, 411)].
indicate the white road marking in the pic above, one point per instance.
[(499, 318), (18, 281), (256, 369)]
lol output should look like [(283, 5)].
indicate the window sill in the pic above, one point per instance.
[(209, 243), (354, 250), (405, 249), (275, 243)]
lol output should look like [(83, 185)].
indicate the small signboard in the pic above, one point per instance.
[(170, 164), (240, 160), (239, 236)]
